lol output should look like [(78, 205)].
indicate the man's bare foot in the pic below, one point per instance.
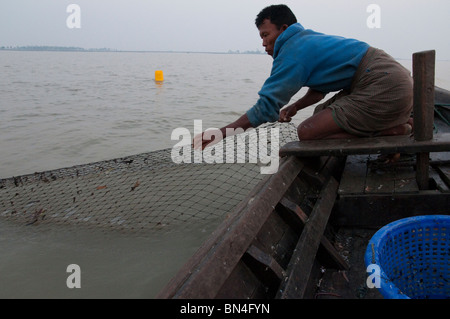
[(411, 122), (388, 158), (402, 129)]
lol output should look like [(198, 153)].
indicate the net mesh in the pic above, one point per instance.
[(144, 192)]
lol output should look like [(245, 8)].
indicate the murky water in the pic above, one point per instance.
[(34, 260)]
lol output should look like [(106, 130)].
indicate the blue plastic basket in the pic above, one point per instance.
[(413, 256)]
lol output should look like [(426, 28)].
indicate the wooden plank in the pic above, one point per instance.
[(205, 272), (377, 210), (242, 284), (366, 145), (379, 184), (295, 209), (422, 170), (353, 180), (299, 268), (423, 75), (325, 244), (405, 180), (278, 237), (440, 183), (266, 261), (332, 255), (441, 158), (444, 173), (380, 180)]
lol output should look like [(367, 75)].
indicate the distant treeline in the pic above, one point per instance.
[(77, 49), (246, 52), (52, 48)]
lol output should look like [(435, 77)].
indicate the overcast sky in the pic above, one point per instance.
[(406, 26)]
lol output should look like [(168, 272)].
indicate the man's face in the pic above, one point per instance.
[(269, 34)]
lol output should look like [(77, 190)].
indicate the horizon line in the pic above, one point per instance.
[(81, 49)]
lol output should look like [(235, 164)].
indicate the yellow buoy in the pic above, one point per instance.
[(159, 76)]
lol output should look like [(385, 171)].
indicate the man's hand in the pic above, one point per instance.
[(207, 138), (214, 136), (287, 113), (311, 97)]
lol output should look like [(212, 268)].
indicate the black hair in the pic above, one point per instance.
[(278, 14)]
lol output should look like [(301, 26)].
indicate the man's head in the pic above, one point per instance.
[(271, 22)]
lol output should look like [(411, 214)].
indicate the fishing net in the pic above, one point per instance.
[(145, 192)]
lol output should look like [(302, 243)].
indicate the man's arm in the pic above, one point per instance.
[(311, 97), (242, 122)]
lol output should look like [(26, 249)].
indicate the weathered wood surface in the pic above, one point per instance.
[(364, 175), (369, 145), (264, 242), (329, 250), (377, 210), (442, 105), (299, 269), (424, 96), (443, 172), (423, 110), (369, 208), (209, 268)]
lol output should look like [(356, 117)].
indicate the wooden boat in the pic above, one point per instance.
[(282, 238), (253, 253), (442, 106)]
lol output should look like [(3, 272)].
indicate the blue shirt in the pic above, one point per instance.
[(307, 58)]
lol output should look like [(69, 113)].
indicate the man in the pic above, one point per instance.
[(375, 92)]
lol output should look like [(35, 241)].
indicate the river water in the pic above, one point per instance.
[(59, 109)]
